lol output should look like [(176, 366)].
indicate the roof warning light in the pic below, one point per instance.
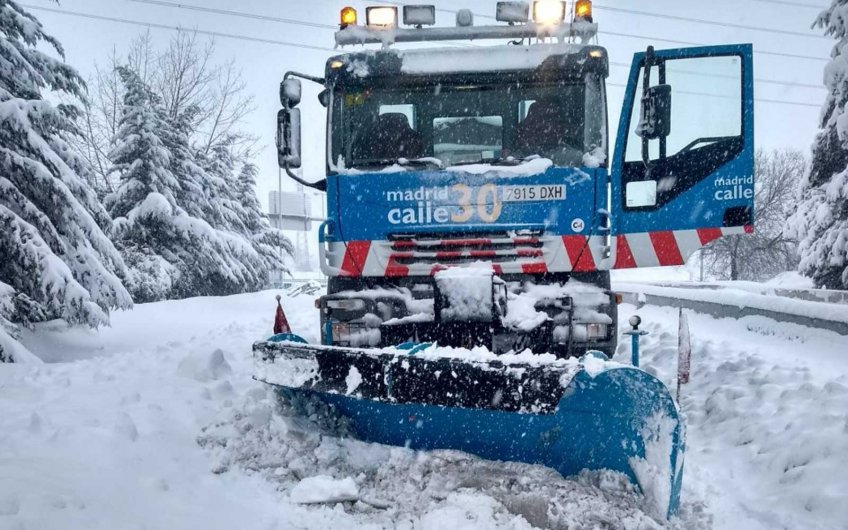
[(347, 17), (583, 11)]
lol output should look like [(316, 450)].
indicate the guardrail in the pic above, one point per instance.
[(638, 296), (811, 295)]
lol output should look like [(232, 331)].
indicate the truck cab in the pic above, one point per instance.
[(471, 194)]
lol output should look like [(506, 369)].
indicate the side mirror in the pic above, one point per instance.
[(288, 138), (655, 120), (324, 97), (290, 93)]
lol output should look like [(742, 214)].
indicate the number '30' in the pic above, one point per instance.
[(487, 198)]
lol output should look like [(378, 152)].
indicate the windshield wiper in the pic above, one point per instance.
[(405, 162), (508, 161), (421, 162)]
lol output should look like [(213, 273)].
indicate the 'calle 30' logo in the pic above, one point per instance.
[(488, 205)]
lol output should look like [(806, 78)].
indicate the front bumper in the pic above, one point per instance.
[(378, 318)]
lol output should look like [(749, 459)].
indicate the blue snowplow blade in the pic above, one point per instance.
[(566, 416)]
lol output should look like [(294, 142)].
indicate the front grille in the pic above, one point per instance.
[(445, 249)]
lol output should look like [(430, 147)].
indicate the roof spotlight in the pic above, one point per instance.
[(419, 15), (385, 17), (512, 12), (548, 12)]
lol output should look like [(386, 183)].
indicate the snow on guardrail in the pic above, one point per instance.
[(812, 295), (726, 302)]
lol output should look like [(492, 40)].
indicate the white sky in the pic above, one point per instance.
[(777, 125)]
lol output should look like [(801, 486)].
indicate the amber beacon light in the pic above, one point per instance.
[(347, 17), (583, 11)]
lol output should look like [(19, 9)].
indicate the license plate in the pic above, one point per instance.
[(540, 192)]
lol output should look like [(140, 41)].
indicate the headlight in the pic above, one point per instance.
[(596, 331), (346, 304), (589, 332), (355, 335), (341, 332)]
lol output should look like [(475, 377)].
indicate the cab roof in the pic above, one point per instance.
[(543, 62)]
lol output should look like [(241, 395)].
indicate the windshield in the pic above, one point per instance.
[(375, 126)]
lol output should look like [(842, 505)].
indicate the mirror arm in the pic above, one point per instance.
[(290, 73), (646, 84), (663, 138), (320, 185)]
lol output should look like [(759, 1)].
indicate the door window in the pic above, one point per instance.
[(705, 131)]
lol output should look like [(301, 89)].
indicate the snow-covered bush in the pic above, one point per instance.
[(57, 262), (820, 222)]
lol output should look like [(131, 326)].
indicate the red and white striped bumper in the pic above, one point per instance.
[(527, 255)]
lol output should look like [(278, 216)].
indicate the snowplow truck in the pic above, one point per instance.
[(474, 215)]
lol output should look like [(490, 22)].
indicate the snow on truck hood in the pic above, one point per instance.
[(527, 168)]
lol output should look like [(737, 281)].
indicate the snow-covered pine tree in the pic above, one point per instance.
[(169, 222), (57, 262), (820, 222), (144, 204), (220, 167), (193, 179), (238, 211), (224, 203), (269, 242), (254, 218)]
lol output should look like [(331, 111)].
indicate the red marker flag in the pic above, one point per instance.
[(281, 324)]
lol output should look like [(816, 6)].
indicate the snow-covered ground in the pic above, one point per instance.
[(157, 423), (767, 418)]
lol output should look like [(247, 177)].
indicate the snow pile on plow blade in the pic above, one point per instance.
[(568, 415)]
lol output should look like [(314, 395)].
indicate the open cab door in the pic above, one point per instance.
[(683, 169)]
